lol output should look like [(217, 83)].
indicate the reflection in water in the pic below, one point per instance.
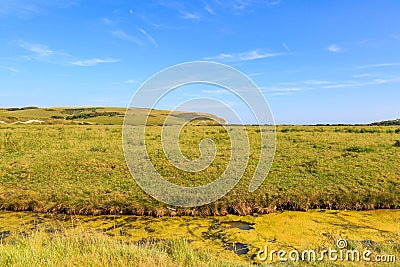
[(239, 248), (240, 225)]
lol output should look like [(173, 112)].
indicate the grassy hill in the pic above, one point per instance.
[(98, 116)]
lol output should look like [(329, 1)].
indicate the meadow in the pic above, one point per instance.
[(80, 169), (67, 196)]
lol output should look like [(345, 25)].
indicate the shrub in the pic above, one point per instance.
[(57, 117), (397, 143), (358, 149), (98, 149)]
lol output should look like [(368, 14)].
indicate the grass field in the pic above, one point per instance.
[(80, 169), (72, 165)]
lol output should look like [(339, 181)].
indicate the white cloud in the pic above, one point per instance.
[(244, 56), (379, 65), (131, 81), (362, 83), (127, 37), (245, 4), (362, 75), (107, 21), (39, 50), (316, 82), (282, 89), (209, 10), (43, 53), (188, 15), (11, 69), (92, 62), (255, 74), (334, 48), (149, 37), (287, 48), (23, 8), (274, 3), (216, 91)]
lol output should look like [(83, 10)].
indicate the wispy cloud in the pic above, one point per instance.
[(216, 91), (287, 48), (127, 37), (209, 9), (244, 56), (189, 15), (43, 53), (315, 82), (273, 3), (39, 51), (245, 4), (93, 62), (362, 75), (379, 65), (362, 83), (11, 69), (22, 8), (255, 74), (282, 89), (110, 22), (334, 48), (149, 37), (290, 88), (130, 81)]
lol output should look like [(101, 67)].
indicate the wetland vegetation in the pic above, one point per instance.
[(67, 197)]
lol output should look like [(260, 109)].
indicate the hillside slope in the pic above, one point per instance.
[(98, 115)]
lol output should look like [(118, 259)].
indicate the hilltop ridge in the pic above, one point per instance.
[(100, 116)]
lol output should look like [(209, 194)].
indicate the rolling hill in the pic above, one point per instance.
[(99, 116)]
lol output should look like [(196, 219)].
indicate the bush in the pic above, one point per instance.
[(397, 143), (358, 149), (57, 117), (98, 149), (24, 108)]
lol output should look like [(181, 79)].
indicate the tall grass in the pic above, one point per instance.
[(82, 170), (90, 248)]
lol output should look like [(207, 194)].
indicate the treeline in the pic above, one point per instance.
[(88, 115), (23, 108), (387, 123)]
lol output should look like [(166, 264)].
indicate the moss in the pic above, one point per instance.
[(315, 229)]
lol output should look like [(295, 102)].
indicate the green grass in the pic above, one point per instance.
[(80, 169), (34, 239), (89, 248)]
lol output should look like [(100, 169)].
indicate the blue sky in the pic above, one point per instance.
[(315, 61)]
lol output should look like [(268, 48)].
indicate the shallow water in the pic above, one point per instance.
[(243, 235), (240, 225), (239, 248)]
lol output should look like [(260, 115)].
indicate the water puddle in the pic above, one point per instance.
[(4, 234), (239, 248), (240, 225)]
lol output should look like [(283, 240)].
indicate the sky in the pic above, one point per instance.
[(314, 61)]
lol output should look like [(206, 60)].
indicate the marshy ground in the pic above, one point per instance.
[(227, 240), (66, 195)]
